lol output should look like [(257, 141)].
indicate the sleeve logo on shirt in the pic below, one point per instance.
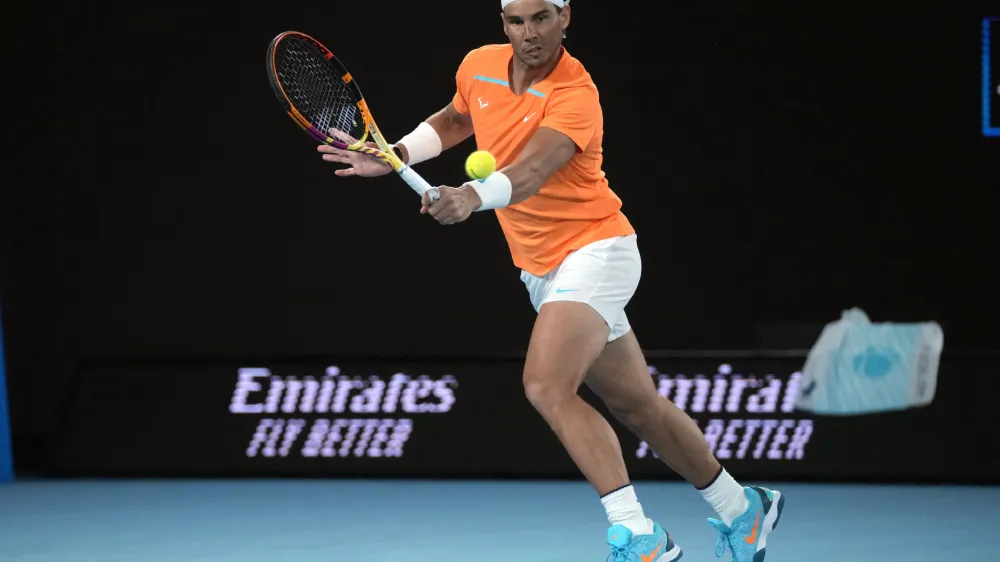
[(482, 104), (530, 116)]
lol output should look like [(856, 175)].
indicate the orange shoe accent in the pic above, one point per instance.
[(752, 537), (652, 557)]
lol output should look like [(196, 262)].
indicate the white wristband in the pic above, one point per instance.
[(494, 191), (422, 144)]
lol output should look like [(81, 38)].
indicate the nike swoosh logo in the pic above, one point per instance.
[(529, 117), (752, 537), (567, 290), (651, 556)]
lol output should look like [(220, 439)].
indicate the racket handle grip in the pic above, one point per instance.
[(418, 183)]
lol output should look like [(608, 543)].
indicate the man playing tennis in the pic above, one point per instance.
[(535, 107)]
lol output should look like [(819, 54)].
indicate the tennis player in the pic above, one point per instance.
[(535, 107)]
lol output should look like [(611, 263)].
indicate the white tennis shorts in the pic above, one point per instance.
[(602, 274)]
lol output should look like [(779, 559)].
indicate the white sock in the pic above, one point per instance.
[(624, 509), (726, 497)]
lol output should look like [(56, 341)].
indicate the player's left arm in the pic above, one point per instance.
[(546, 152), (571, 120)]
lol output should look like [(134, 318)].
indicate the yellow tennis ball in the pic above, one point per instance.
[(480, 164)]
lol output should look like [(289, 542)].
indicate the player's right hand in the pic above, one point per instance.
[(358, 164)]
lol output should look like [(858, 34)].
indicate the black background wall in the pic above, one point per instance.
[(780, 162)]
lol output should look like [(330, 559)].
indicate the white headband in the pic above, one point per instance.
[(559, 3)]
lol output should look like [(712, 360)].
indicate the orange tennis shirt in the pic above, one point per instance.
[(575, 206)]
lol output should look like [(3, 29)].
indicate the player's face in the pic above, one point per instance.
[(535, 29)]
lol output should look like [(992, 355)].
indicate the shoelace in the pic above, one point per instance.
[(620, 554), (723, 542)]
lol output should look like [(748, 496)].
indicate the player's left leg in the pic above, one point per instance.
[(620, 377), (577, 303)]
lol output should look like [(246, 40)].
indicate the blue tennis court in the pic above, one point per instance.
[(407, 521)]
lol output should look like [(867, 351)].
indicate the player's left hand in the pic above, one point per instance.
[(455, 205)]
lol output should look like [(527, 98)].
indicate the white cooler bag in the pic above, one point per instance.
[(857, 367)]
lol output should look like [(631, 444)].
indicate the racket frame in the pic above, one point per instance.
[(383, 153)]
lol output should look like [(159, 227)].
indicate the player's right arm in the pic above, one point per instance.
[(450, 125)]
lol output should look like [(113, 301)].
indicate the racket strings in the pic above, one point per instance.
[(316, 90)]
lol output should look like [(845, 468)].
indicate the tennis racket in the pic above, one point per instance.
[(319, 94)]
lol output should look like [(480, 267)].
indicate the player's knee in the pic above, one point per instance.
[(636, 413), (636, 421), (544, 390)]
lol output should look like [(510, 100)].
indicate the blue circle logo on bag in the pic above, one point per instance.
[(875, 363)]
